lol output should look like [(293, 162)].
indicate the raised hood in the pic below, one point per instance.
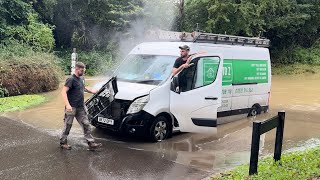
[(129, 91)]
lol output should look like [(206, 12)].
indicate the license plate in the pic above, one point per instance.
[(106, 120)]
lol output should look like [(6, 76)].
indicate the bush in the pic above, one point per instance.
[(24, 71), (298, 55), (3, 92), (97, 62), (308, 55)]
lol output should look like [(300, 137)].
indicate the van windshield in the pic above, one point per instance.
[(146, 69)]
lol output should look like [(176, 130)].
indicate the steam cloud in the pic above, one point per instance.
[(158, 15)]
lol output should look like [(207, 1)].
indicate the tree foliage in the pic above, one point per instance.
[(20, 22), (34, 33), (100, 25), (88, 24), (12, 13), (287, 23)]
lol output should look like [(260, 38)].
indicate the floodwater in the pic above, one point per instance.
[(297, 95)]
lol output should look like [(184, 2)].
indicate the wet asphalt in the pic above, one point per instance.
[(28, 153)]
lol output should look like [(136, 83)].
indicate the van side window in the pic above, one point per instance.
[(186, 78), (201, 73), (206, 72)]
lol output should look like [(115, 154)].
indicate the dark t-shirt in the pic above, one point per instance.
[(76, 91), (182, 75), (179, 62)]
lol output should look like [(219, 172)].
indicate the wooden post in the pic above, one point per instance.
[(255, 148), (261, 128), (74, 59), (279, 136)]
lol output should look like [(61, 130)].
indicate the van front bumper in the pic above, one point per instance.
[(137, 124)]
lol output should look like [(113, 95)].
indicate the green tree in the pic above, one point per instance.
[(12, 13), (195, 12), (287, 23), (35, 34), (89, 24), (44, 8), (20, 22)]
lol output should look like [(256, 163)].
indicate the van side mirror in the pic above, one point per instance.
[(175, 85)]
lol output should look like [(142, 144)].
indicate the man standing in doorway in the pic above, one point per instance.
[(184, 60), (73, 96), (181, 62)]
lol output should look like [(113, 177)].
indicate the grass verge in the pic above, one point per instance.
[(15, 103), (293, 69), (294, 165)]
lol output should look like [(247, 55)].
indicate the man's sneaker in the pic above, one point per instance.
[(65, 146), (93, 146)]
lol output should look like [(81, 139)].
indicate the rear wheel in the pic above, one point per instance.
[(159, 130), (255, 110)]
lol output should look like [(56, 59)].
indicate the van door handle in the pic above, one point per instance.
[(211, 98)]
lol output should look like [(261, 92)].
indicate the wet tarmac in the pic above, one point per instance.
[(29, 149), (27, 153)]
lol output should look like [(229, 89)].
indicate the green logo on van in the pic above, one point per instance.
[(210, 67), (227, 73), (245, 71)]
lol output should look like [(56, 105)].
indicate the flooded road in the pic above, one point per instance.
[(187, 154)]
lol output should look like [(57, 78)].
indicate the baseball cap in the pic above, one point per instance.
[(184, 47)]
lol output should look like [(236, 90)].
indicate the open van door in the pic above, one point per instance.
[(196, 94)]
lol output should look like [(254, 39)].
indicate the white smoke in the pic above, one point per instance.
[(158, 14)]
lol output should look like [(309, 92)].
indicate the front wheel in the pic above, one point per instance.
[(159, 130)]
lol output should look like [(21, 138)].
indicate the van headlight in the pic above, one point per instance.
[(138, 104)]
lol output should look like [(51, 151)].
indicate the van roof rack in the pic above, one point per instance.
[(199, 37)]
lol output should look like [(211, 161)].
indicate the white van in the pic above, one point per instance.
[(232, 77)]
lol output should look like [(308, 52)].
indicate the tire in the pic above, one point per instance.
[(159, 130), (255, 110)]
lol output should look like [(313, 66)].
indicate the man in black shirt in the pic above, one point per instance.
[(181, 62), (73, 96), (184, 60)]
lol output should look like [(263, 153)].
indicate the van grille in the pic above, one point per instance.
[(116, 111)]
